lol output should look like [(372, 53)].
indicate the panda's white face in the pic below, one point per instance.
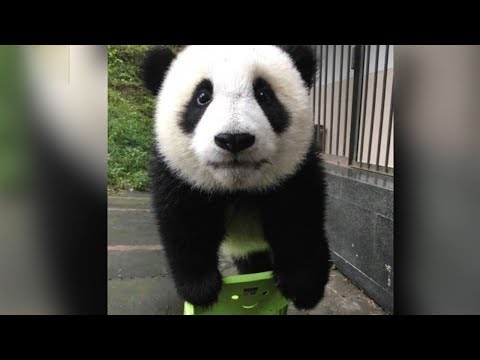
[(233, 117)]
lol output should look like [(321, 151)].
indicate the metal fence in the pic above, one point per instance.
[(353, 107)]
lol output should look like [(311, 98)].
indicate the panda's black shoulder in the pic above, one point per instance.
[(312, 169), (309, 180), (169, 190), (166, 187)]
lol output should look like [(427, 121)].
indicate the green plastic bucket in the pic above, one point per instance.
[(249, 294)]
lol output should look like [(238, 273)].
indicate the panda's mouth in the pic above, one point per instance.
[(239, 164)]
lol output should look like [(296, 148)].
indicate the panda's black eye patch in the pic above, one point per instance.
[(263, 94), (271, 106), (201, 97)]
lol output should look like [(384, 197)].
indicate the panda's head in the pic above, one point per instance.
[(235, 117)]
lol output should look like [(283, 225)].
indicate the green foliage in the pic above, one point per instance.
[(15, 163), (130, 119)]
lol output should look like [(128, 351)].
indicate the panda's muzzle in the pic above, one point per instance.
[(234, 143)]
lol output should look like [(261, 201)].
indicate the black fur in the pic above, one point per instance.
[(293, 220), (158, 60), (271, 106), (192, 226), (155, 65), (192, 223), (305, 61), (254, 263), (193, 111)]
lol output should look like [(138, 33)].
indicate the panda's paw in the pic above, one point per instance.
[(202, 291), (304, 290)]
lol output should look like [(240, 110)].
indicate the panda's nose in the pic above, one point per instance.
[(234, 142)]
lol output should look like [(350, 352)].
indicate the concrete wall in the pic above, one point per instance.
[(360, 229)]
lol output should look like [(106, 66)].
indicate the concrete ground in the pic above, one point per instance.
[(139, 281)]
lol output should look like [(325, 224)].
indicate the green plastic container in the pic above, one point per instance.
[(249, 294)]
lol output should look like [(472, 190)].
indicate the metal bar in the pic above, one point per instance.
[(358, 53), (314, 92), (382, 110), (333, 96), (320, 98), (387, 156), (339, 100), (374, 103), (325, 103), (346, 102), (360, 150), (362, 69)]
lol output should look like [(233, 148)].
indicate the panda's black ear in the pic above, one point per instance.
[(154, 67), (305, 61)]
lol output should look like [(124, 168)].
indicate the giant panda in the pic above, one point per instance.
[(235, 169)]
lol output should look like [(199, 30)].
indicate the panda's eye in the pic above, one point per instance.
[(204, 97), (263, 95)]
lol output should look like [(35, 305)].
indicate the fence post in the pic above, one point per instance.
[(357, 65)]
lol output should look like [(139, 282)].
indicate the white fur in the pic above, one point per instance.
[(244, 232), (232, 70)]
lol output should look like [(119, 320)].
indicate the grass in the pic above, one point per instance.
[(130, 120), (15, 162)]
